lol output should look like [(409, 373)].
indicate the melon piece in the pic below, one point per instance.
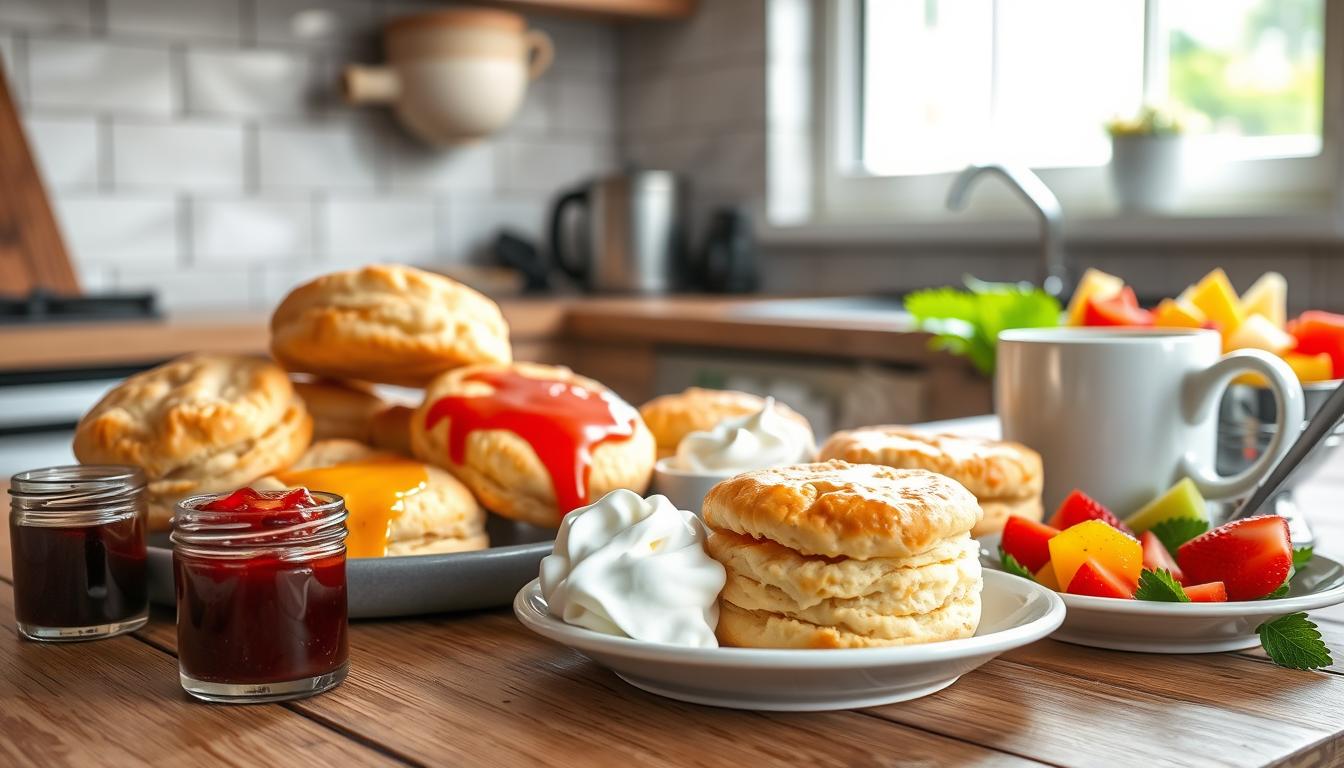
[(1257, 332), (1212, 592), (1157, 558), (1117, 552), (1175, 313), (1181, 500), (1268, 298), (1216, 298), (1095, 284)]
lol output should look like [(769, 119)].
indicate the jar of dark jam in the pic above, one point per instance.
[(77, 535), (261, 599)]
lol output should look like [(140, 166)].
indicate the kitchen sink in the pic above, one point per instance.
[(867, 309)]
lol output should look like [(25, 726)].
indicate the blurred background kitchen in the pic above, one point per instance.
[(202, 157)]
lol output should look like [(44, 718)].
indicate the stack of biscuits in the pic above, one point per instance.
[(1006, 477), (840, 555)]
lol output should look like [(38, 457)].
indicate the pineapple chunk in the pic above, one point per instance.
[(1094, 285), (1256, 332), (1217, 299), (1174, 313), (1267, 297)]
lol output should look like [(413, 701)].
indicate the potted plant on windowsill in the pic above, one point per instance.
[(1146, 161)]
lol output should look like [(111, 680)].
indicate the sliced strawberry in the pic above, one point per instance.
[(1094, 579), (1157, 558), (1251, 556), (1213, 592), (1028, 541), (1079, 508)]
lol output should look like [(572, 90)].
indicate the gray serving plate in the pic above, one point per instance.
[(384, 587)]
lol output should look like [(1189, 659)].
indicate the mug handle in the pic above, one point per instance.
[(1199, 399), (540, 52)]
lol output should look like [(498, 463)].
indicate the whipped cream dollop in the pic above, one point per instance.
[(766, 438), (634, 567)]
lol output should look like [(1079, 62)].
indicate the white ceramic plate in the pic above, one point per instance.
[(1016, 612), (1149, 627)]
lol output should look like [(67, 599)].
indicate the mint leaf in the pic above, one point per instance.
[(1160, 586), (968, 323), (1293, 641), (1301, 556), (1011, 565), (1176, 531)]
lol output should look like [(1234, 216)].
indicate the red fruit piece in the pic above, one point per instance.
[(1079, 508), (1027, 541), (1213, 592), (1094, 579), (1157, 558), (1251, 556), (243, 497), (1318, 332), (1121, 310)]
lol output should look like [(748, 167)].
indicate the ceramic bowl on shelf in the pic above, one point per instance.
[(1016, 613), (1152, 627)]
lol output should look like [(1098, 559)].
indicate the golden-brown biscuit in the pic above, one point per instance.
[(199, 423), (441, 517), (808, 580), (956, 619), (837, 509), (990, 469), (340, 410), (996, 513), (503, 469), (386, 323), (672, 417), (390, 429)]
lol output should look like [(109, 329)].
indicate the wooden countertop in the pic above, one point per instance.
[(479, 689), (688, 321)]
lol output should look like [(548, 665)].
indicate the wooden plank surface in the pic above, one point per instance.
[(479, 689)]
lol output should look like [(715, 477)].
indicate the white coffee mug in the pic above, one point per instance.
[(1122, 414)]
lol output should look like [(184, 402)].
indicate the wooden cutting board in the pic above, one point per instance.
[(32, 253)]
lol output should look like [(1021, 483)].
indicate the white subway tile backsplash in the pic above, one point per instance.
[(416, 167), (272, 283), (46, 15), (120, 231), (585, 107), (546, 166), (360, 230), (177, 19), (313, 22), (251, 229), (67, 150), (580, 46), (734, 97), (89, 75), (537, 112), (317, 156), (468, 225), (181, 155), (248, 82), (193, 289)]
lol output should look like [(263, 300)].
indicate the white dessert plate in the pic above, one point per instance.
[(1016, 612), (1151, 627)]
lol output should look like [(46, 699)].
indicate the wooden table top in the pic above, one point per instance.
[(479, 689)]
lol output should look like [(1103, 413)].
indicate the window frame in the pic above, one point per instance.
[(844, 193)]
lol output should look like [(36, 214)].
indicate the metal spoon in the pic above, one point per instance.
[(1320, 427)]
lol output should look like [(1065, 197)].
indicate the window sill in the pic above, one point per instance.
[(1317, 226)]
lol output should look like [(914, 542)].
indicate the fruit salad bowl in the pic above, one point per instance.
[(1156, 627)]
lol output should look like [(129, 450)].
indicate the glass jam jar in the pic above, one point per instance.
[(77, 536), (261, 598)]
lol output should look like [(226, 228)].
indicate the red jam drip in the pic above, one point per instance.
[(260, 510), (562, 422)]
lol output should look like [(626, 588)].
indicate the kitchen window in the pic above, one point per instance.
[(916, 89)]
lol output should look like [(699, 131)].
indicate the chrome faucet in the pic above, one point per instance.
[(1054, 275)]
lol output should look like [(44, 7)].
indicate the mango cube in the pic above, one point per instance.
[(1181, 500), (1094, 284), (1117, 552), (1310, 367), (1216, 298), (1046, 577), (1267, 297), (1174, 313)]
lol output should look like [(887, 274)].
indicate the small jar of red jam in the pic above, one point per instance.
[(77, 535), (261, 600)]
